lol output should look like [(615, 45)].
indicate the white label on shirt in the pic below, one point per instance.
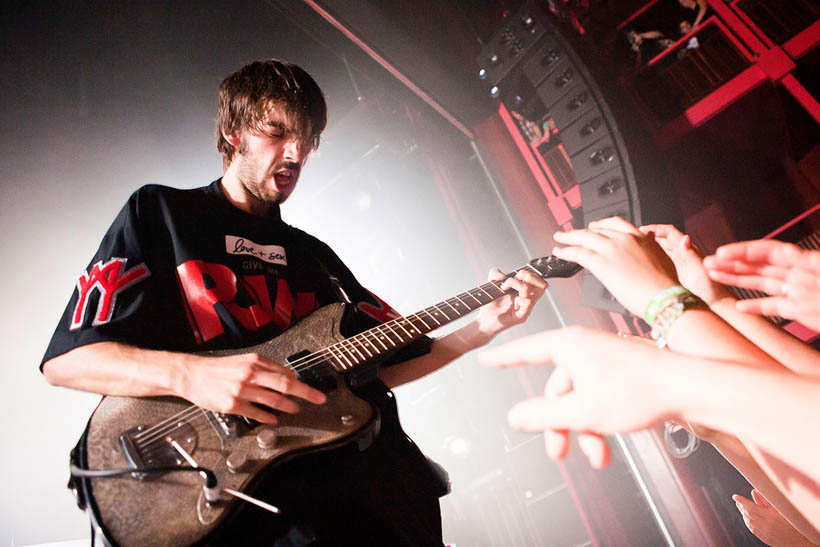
[(273, 254)]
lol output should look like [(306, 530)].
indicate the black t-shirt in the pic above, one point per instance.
[(184, 270)]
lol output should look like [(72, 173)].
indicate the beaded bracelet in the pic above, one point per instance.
[(660, 298), (673, 309)]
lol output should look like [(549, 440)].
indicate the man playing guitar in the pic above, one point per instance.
[(182, 272)]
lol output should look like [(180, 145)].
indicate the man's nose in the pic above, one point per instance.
[(294, 150)]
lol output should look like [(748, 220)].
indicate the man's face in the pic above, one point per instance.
[(685, 27), (269, 158)]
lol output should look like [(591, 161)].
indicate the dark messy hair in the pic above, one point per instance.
[(247, 95)]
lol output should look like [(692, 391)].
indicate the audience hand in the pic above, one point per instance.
[(602, 384), (767, 524), (688, 260), (629, 263), (790, 276)]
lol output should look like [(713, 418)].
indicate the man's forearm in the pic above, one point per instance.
[(443, 351), (111, 368)]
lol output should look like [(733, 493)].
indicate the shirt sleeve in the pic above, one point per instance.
[(113, 298)]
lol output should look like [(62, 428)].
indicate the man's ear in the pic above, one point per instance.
[(233, 138)]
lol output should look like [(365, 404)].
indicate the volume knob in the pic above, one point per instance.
[(266, 438), (236, 461)]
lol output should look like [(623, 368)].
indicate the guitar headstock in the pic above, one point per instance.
[(550, 266)]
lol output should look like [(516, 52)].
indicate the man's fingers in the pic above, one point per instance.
[(525, 284), (270, 399), (287, 384), (496, 275), (595, 449), (254, 413)]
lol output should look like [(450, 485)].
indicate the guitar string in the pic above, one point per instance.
[(167, 426), (149, 446), (324, 355)]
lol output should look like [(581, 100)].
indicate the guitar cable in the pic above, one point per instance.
[(209, 488)]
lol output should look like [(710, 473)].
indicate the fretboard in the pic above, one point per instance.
[(394, 334)]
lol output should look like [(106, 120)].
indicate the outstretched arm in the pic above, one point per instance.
[(634, 268), (492, 319), (616, 385), (693, 274), (235, 384)]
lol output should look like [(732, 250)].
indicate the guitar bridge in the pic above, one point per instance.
[(143, 446)]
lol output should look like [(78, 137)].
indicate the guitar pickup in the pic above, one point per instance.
[(318, 374)]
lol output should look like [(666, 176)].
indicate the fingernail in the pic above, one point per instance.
[(557, 236)]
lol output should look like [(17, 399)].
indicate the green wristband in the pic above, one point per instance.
[(658, 300)]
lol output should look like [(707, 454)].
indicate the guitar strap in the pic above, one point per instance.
[(360, 375)]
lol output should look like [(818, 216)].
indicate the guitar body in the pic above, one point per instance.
[(170, 509), (147, 508)]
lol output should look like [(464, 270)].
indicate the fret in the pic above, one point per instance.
[(484, 297), (433, 317), (341, 364), (349, 342), (463, 303), (471, 295), (530, 266), (389, 328), (362, 343), (326, 354), (496, 286), (452, 308), (482, 289), (398, 323), (423, 322), (377, 336)]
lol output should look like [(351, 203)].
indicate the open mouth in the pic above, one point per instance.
[(284, 178)]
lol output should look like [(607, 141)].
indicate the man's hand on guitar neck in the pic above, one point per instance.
[(233, 384), (493, 318), (513, 309)]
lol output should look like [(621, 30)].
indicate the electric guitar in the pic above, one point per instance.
[(149, 443)]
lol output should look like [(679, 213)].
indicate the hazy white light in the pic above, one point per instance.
[(363, 201)]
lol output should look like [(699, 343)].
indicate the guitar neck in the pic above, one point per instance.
[(371, 344)]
